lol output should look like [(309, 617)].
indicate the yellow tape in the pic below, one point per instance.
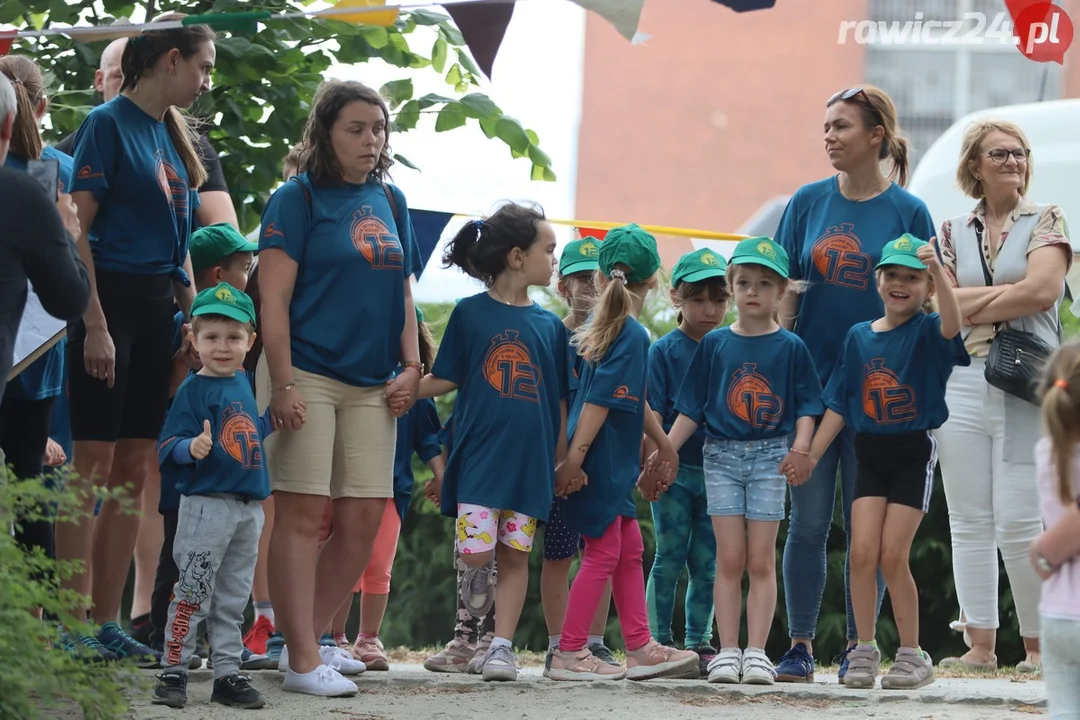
[(654, 229)]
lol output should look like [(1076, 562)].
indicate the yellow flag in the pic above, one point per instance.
[(384, 18)]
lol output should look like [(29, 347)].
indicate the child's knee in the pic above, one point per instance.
[(864, 558), (894, 560), (761, 564), (730, 562)]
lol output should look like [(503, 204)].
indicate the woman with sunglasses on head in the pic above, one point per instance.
[(833, 231), (1008, 259)]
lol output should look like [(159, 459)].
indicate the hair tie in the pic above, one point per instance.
[(1060, 383), (478, 225), (618, 274)]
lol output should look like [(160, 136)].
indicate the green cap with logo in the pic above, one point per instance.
[(903, 251), (631, 246), (224, 300), (697, 266), (211, 244), (761, 251), (579, 256)]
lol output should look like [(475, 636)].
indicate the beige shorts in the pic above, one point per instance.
[(345, 448)]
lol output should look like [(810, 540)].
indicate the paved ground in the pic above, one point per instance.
[(408, 692)]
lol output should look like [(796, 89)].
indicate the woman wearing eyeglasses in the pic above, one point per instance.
[(834, 230), (1008, 258)]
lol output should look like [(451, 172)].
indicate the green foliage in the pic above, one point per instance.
[(263, 84), (42, 680)]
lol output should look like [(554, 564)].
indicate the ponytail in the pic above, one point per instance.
[(481, 246), (426, 342), (899, 152), (877, 108), (1061, 414), (183, 139), (26, 80), (609, 315)]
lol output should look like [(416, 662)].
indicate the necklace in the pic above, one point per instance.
[(501, 298), (876, 191)]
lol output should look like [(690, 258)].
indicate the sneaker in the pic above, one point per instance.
[(335, 657), (796, 666), (603, 652), (327, 640), (656, 661), (324, 681), (258, 634), (86, 648), (255, 661), (141, 629), (196, 663), (757, 669), (478, 588), (454, 658), (274, 645), (726, 667), (706, 653), (500, 663), (547, 660), (113, 637), (582, 666), (236, 691), (476, 663), (864, 664), (370, 651), (171, 690), (842, 661), (911, 669)]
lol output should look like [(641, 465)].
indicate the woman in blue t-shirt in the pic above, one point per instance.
[(136, 170), (336, 258), (833, 231)]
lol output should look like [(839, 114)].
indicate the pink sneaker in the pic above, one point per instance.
[(582, 666), (370, 651), (657, 661)]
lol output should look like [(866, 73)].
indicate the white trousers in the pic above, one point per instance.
[(993, 503)]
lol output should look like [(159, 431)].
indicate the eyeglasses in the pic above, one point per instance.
[(1001, 155), (844, 95)]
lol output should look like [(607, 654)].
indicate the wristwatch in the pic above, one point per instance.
[(1044, 564)]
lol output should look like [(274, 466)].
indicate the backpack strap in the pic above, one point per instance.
[(393, 205)]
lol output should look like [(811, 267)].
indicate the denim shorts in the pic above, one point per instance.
[(743, 478)]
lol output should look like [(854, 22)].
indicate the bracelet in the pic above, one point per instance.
[(286, 387), (414, 366), (800, 452)]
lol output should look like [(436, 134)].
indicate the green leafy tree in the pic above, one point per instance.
[(264, 82)]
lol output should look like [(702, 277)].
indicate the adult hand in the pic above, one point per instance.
[(187, 352), (69, 215), (99, 355), (402, 391), (1035, 558), (203, 444), (54, 454), (284, 408)]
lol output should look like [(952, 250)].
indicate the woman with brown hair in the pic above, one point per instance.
[(336, 258), (834, 231), (1007, 258), (136, 170)]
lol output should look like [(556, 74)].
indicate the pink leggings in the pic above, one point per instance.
[(617, 556), (376, 578)]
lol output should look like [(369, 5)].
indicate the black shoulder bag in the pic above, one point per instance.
[(1017, 358)]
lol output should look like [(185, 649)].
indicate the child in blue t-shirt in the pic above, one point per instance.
[(889, 386), (219, 253), (681, 524), (509, 360), (750, 385), (603, 464), (213, 443)]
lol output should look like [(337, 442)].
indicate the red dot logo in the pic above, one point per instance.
[(1042, 31)]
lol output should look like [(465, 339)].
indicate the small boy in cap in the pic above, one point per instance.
[(212, 444)]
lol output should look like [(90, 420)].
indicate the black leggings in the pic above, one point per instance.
[(164, 582), (24, 432)]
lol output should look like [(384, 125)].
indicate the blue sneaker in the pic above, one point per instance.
[(842, 661), (797, 666), (113, 637), (250, 661), (274, 645), (327, 640), (86, 648)]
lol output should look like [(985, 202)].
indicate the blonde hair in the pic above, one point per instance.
[(787, 285), (971, 151), (1061, 413), (613, 306), (878, 109)]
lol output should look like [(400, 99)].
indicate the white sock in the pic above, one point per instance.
[(265, 610), (553, 641), (596, 640), (501, 641)]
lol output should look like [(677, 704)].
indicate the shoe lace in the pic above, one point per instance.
[(91, 642), (329, 672), (843, 656), (501, 653)]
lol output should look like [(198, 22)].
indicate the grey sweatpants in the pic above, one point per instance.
[(217, 543)]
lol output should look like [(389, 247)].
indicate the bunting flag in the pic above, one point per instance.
[(625, 15), (365, 16), (740, 6), (483, 26), (428, 226)]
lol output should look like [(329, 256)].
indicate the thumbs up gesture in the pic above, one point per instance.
[(928, 255), (201, 445)]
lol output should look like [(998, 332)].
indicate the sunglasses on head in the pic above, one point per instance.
[(844, 95)]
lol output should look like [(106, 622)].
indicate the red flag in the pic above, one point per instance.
[(6, 38), (598, 233)]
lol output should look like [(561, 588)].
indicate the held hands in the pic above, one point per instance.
[(287, 408), (928, 256), (797, 466), (569, 478), (402, 391), (433, 490), (658, 474), (200, 447)]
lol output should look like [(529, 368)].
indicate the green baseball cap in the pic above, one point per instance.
[(631, 246), (697, 266), (224, 300), (903, 251), (579, 256), (761, 251), (211, 244)]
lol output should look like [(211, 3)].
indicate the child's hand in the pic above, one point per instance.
[(796, 467), (398, 402), (569, 478), (928, 256), (201, 446), (54, 454), (654, 478), (666, 466), (300, 408), (433, 490)]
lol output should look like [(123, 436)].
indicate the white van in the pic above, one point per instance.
[(1051, 128)]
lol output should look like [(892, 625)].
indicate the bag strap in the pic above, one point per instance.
[(386, 189)]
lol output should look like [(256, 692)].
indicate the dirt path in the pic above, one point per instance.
[(410, 693)]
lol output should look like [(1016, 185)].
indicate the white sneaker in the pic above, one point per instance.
[(323, 680), (757, 669), (727, 666), (340, 659)]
